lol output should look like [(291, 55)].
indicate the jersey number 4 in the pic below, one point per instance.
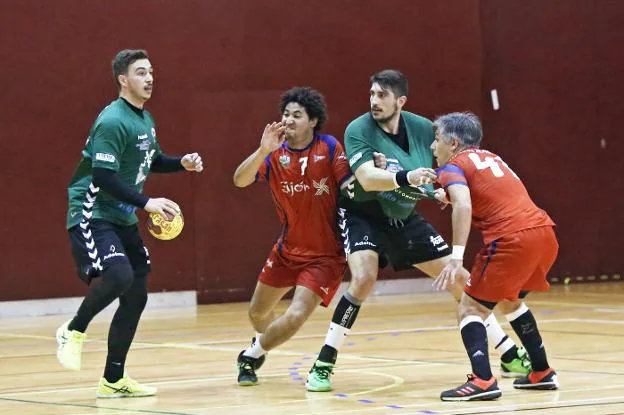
[(492, 163)]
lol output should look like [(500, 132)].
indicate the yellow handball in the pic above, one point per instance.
[(165, 228)]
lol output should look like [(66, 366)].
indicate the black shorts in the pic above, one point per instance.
[(98, 244), (401, 242)]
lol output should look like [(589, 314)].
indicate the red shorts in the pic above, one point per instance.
[(513, 263), (322, 275)]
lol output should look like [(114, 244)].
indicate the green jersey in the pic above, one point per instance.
[(363, 136), (122, 139)]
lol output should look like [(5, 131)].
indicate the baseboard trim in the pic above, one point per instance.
[(69, 305)]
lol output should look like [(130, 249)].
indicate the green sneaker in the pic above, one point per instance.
[(519, 367), (319, 378)]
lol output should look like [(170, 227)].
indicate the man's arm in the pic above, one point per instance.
[(373, 179), (245, 173), (462, 213), (272, 138), (462, 219)]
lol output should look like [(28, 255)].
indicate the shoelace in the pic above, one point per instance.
[(246, 366), (323, 372)]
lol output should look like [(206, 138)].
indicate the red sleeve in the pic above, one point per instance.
[(340, 165), (264, 170), (451, 174)]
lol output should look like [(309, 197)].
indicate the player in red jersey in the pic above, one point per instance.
[(520, 247), (305, 170)]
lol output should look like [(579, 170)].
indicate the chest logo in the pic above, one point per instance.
[(284, 159), (142, 137), (321, 186)]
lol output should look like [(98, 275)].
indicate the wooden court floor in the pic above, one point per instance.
[(403, 352)]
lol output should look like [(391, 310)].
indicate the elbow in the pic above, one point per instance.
[(239, 182)]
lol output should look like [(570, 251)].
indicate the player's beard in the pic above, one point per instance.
[(386, 120)]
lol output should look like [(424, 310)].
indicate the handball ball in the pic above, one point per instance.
[(165, 228)]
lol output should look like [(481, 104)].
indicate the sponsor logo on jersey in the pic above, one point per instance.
[(325, 290), (321, 187), (355, 158), (317, 158), (393, 166), (284, 159), (142, 137), (291, 188), (105, 157), (143, 145)]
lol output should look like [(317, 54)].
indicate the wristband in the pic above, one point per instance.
[(458, 252), (400, 178)]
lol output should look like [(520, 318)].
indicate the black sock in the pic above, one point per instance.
[(123, 327), (345, 314), (510, 354), (525, 327), (474, 336), (115, 280)]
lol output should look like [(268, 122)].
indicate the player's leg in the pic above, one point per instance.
[(115, 383), (538, 245), (359, 236), (481, 384), (279, 330), (277, 277), (98, 251), (262, 305), (430, 254)]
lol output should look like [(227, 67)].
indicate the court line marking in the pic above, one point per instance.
[(611, 400), (513, 393)]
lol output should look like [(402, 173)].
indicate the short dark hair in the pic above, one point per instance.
[(124, 59), (463, 126), (310, 99), (393, 80)]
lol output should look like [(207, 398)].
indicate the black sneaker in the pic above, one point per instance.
[(545, 380), (247, 370), (475, 389), (261, 359)]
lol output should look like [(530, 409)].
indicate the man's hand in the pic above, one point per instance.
[(272, 137), (441, 197), (192, 162), (421, 176), (162, 206), (381, 162), (447, 276)]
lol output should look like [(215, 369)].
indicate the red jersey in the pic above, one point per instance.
[(305, 186), (500, 203)]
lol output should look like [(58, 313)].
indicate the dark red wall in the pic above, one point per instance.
[(220, 68)]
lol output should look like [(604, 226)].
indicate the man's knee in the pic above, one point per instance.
[(468, 306), (363, 266), (121, 275)]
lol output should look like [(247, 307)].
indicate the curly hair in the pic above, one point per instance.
[(310, 99)]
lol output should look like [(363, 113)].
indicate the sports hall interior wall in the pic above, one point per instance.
[(220, 69)]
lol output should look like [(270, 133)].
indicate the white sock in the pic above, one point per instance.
[(255, 350), (496, 336), (336, 335), (257, 337)]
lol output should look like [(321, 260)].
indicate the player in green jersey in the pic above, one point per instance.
[(104, 193), (378, 221)]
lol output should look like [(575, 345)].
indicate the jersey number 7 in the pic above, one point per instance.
[(492, 163)]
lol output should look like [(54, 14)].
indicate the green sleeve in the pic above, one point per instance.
[(109, 144), (357, 148)]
